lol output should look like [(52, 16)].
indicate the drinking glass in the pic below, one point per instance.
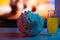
[(52, 22)]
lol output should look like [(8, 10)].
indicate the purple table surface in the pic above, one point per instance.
[(14, 34)]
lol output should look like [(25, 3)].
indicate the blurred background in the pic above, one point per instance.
[(10, 10)]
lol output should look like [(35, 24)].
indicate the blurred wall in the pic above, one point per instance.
[(41, 7)]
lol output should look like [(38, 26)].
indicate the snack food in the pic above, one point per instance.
[(30, 23)]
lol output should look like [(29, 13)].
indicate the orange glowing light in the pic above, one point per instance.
[(4, 2), (5, 7)]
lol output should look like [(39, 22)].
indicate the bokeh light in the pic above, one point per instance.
[(41, 6)]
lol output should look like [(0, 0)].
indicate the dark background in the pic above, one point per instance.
[(12, 23)]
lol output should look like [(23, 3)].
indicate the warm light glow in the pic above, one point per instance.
[(4, 2), (20, 6), (32, 2), (5, 9), (42, 7)]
